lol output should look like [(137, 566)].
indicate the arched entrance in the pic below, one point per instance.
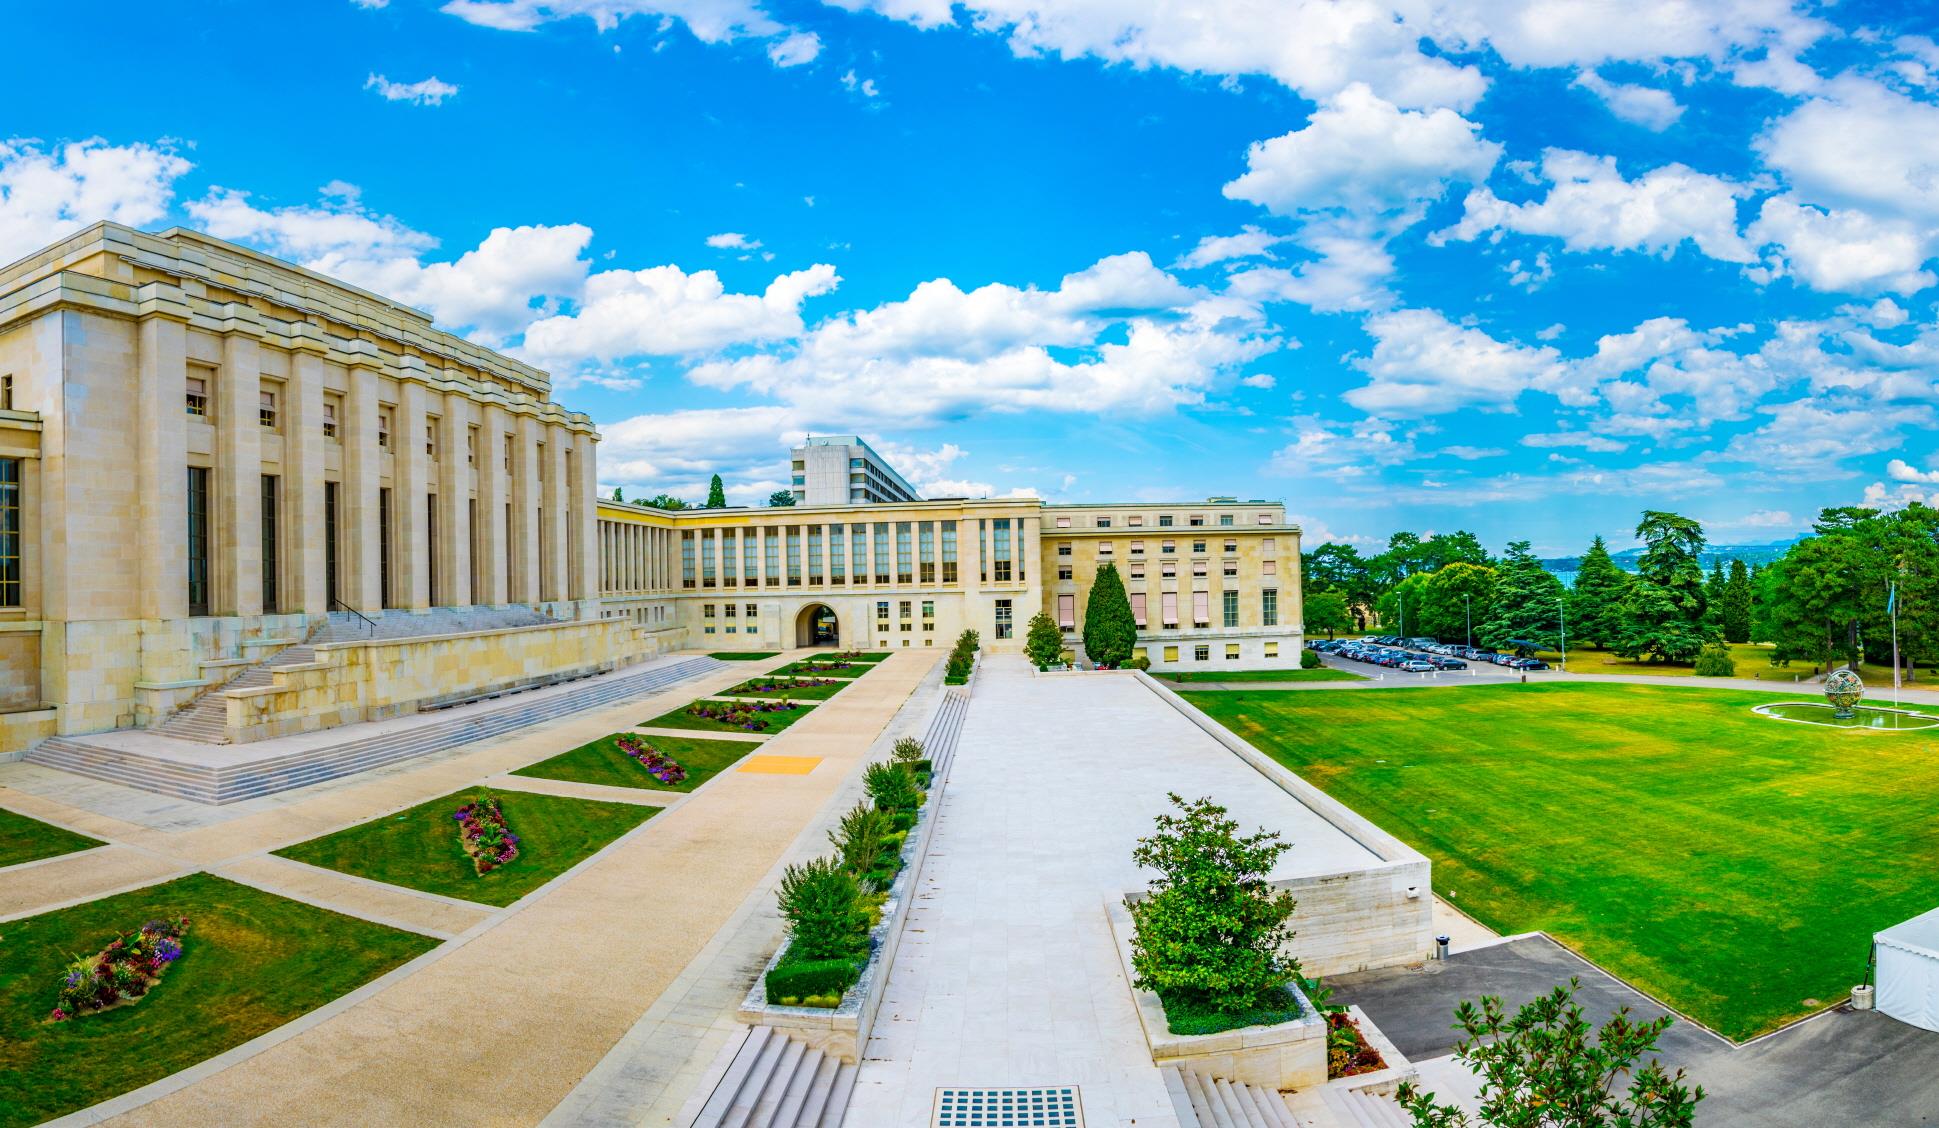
[(817, 626)]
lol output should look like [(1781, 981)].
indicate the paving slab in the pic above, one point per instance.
[(442, 917), (82, 876)]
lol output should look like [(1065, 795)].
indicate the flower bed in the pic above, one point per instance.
[(748, 715), (482, 830), (814, 667), (123, 972), (1348, 1053), (662, 766), (769, 685)]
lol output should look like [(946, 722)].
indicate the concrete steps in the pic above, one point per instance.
[(1202, 1101), (1355, 1108), (945, 727), (775, 1081), (273, 772)]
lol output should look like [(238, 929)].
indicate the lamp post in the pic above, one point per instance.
[(1468, 602), (1562, 615)]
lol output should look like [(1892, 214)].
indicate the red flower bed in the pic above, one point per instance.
[(1347, 1051), (482, 830), (665, 768), (121, 973)]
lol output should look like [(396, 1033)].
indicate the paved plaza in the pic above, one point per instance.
[(1009, 975)]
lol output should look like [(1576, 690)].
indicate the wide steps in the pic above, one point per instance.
[(945, 728), (1203, 1101), (775, 1081), (281, 772), (1354, 1108)]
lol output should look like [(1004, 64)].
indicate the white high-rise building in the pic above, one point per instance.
[(844, 470)]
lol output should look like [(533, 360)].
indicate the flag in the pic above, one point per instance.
[(1891, 598)]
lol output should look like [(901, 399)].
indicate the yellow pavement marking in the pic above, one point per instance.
[(780, 765)]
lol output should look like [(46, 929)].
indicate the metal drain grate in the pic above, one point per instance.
[(1009, 1108)]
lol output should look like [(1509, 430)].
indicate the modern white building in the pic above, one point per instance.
[(844, 470)]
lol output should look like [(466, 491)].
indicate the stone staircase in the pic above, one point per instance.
[(775, 1081), (205, 720), (239, 777), (945, 726), (1202, 1101)]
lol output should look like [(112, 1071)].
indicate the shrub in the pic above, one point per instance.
[(1043, 643), (892, 787), (1308, 660), (1209, 932), (822, 904), (1141, 662), (1110, 631), (860, 838), (1716, 662), (806, 980), (907, 750)]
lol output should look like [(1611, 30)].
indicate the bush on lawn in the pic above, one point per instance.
[(1208, 934), (1716, 662), (961, 658), (811, 982), (1139, 662), (1043, 643), (907, 750), (892, 787), (822, 904), (1308, 660)]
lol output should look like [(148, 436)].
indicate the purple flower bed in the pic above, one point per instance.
[(122, 972), (808, 666), (740, 714), (482, 830), (664, 767), (768, 685)]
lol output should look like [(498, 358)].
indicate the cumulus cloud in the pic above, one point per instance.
[(1580, 440), (711, 21), (1843, 250), (1813, 436), (665, 311), (1424, 364), (793, 51), (1341, 451), (1590, 206), (425, 92), (1646, 106), (1860, 145), (50, 192), (1899, 470), (733, 241), (1250, 242)]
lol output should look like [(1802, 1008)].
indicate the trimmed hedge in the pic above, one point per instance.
[(811, 979), (1183, 1016)]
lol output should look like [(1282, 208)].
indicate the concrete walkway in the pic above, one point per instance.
[(1008, 974)]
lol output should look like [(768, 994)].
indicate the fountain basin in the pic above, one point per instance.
[(1867, 717)]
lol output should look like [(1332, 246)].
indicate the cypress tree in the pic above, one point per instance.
[(716, 494), (1596, 604), (1110, 633), (1737, 603)]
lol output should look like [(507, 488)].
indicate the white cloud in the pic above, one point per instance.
[(1348, 272), (1878, 497), (1589, 33), (733, 241), (1250, 242), (1362, 155), (425, 92), (1470, 453), (1260, 380), (1860, 145), (863, 86), (1843, 250), (371, 4), (665, 311), (1341, 451), (711, 21), (1819, 433), (1646, 106), (1591, 207), (1899, 470), (496, 288), (1580, 440), (1424, 364), (796, 49), (49, 193)]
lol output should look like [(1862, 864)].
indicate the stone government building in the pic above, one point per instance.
[(240, 500)]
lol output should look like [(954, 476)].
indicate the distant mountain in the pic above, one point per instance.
[(1758, 554)]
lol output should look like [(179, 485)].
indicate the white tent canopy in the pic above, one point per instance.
[(1908, 970)]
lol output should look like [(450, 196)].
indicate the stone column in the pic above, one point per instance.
[(454, 501), (410, 488), (304, 539), (524, 531), (360, 576), (236, 540), (493, 495), (161, 459), (584, 492), (558, 515)]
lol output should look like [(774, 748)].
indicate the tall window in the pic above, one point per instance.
[(926, 545), (727, 551), (771, 542), (266, 409), (329, 419), (707, 572), (1004, 622), (272, 587), (6, 392), (686, 558), (1000, 537), (198, 540), (10, 595), (1201, 608), (1138, 608), (384, 547), (1229, 607), (1067, 610), (1168, 607), (330, 591), (949, 552), (904, 573), (794, 555), (751, 555), (881, 552), (1269, 607), (814, 555), (837, 555), (196, 402), (858, 554), (431, 550)]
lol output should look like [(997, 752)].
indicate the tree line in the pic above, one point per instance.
[(1827, 601), (716, 498)]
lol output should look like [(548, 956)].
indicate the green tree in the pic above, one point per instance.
[(1457, 547), (1713, 595), (1737, 603), (780, 499), (1327, 611), (1399, 607), (1043, 644), (1110, 633), (1340, 567), (1541, 1069), (1209, 931), (1596, 601), (1528, 603), (716, 494), (617, 496), (1815, 597), (1664, 613), (662, 501), (1455, 595)]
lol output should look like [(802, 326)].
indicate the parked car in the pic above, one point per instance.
[(1449, 663), (1418, 666), (1529, 664)]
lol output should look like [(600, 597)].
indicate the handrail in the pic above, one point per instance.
[(368, 621)]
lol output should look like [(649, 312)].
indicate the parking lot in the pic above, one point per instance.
[(1391, 658)]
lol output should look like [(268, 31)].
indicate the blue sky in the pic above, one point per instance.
[(1519, 266)]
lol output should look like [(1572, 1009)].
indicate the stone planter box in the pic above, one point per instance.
[(1288, 1055), (1381, 1081), (843, 1031)]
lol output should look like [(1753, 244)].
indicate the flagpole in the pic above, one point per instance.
[(1892, 605)]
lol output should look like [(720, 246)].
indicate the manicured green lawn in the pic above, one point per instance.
[(1322, 674), (743, 655), (602, 762), (854, 669), (678, 719), (252, 962), (29, 840), (1733, 865), (791, 690), (418, 848)]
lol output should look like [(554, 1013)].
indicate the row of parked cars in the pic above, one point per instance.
[(1418, 655)]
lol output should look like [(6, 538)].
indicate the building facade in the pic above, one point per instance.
[(844, 470)]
